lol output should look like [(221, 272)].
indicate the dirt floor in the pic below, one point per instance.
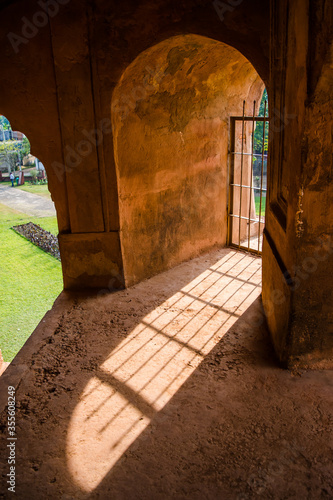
[(167, 390)]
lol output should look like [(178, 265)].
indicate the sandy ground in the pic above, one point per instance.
[(167, 390)]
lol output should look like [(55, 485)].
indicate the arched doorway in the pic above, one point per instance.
[(170, 114), (30, 268)]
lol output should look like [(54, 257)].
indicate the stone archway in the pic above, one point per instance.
[(170, 114), (82, 53)]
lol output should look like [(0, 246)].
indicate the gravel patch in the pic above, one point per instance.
[(38, 236)]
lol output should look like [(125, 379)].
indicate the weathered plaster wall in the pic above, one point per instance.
[(57, 89), (171, 113)]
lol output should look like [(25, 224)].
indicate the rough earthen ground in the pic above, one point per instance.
[(168, 390)]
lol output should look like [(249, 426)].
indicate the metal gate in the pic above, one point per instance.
[(247, 180)]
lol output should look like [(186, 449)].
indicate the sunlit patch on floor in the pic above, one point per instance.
[(145, 371)]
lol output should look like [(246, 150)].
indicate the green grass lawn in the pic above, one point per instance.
[(263, 204), (30, 281), (40, 189)]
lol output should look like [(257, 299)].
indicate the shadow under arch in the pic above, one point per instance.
[(59, 399), (142, 366), (170, 119)]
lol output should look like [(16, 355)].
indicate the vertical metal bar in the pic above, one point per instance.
[(231, 179), (241, 180), (262, 170), (251, 179)]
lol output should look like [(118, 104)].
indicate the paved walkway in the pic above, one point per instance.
[(28, 203)]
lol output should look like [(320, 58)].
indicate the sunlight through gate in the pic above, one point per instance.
[(248, 179)]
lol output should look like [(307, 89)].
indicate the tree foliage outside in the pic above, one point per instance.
[(11, 151), (4, 123), (9, 155), (258, 143), (25, 147)]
